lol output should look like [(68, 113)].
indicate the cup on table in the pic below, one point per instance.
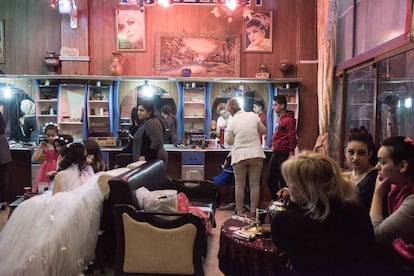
[(262, 215), (266, 231), (27, 190)]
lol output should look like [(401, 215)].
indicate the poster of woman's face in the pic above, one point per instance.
[(258, 32), (130, 32)]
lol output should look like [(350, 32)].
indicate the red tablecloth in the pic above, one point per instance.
[(239, 257)]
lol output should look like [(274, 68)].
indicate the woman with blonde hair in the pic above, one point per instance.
[(325, 231)]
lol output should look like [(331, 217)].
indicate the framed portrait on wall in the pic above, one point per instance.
[(258, 32), (130, 30), (1, 41)]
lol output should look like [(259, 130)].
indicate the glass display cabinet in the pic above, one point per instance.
[(360, 105), (395, 114)]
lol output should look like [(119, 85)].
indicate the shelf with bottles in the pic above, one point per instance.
[(99, 109), (46, 104)]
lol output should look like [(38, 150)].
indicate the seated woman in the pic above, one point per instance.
[(324, 230), (94, 156), (396, 170), (55, 234), (361, 156)]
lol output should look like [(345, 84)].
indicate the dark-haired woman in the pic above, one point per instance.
[(170, 121), (361, 156), (94, 155), (148, 140), (74, 170), (396, 171)]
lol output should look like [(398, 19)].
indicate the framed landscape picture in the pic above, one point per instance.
[(206, 55), (258, 32), (2, 41), (130, 30)]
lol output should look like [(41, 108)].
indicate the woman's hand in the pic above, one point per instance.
[(381, 185)]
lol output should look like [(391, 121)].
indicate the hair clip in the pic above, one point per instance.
[(409, 140), (50, 124)]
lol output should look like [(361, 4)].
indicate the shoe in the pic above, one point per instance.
[(229, 206)]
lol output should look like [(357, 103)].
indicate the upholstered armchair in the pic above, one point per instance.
[(154, 243)]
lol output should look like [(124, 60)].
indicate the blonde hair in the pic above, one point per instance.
[(313, 179)]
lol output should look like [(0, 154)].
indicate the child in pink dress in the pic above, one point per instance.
[(48, 151)]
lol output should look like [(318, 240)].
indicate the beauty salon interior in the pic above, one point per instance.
[(83, 65)]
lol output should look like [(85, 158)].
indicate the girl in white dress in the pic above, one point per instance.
[(55, 233)]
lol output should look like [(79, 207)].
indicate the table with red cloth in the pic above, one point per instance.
[(240, 257)]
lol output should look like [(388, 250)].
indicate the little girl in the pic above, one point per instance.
[(50, 154)]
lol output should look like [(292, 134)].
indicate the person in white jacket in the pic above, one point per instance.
[(247, 154)]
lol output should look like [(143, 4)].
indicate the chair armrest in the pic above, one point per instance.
[(197, 190)]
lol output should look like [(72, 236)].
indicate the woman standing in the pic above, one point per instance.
[(170, 122), (148, 140), (361, 156), (247, 154), (396, 170), (5, 159)]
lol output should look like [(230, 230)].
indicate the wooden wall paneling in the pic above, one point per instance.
[(307, 50), (308, 30), (31, 29), (76, 38)]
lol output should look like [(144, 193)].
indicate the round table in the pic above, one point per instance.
[(239, 257)]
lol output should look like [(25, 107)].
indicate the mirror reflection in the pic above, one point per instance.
[(19, 112), (251, 101)]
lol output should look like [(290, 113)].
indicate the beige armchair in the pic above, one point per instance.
[(154, 243)]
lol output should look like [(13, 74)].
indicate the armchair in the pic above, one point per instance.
[(154, 243)]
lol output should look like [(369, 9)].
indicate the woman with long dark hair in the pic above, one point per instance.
[(148, 140)]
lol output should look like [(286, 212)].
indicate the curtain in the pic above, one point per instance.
[(326, 24)]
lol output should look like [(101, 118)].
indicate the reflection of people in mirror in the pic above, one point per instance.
[(28, 120), (258, 33), (223, 118), (130, 29)]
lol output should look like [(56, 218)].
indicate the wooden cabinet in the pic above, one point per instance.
[(71, 111), (194, 112), (99, 111)]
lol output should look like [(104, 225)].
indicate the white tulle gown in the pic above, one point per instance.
[(54, 235)]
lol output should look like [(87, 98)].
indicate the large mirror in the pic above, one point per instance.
[(163, 93), (251, 100), (19, 111)]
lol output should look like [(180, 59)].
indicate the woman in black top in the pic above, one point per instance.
[(325, 231), (148, 140)]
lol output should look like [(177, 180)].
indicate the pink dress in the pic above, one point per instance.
[(50, 164)]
